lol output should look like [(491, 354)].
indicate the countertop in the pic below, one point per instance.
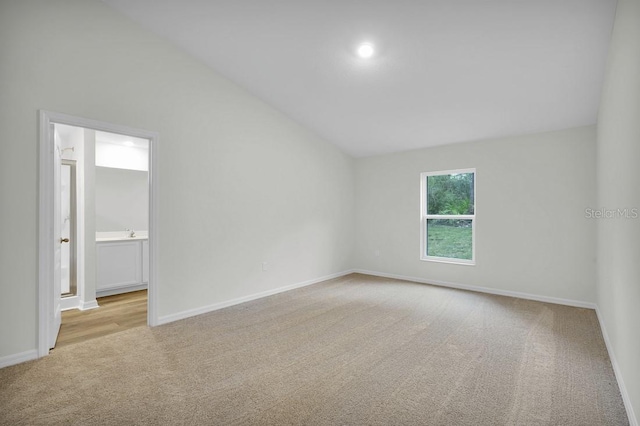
[(102, 237)]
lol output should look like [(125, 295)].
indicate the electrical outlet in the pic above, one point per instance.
[(265, 266)]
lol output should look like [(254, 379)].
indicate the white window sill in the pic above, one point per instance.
[(448, 260)]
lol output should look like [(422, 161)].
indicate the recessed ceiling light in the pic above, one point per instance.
[(366, 50)]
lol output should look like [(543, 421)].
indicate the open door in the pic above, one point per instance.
[(56, 312)]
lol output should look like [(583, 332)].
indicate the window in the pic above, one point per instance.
[(447, 205)]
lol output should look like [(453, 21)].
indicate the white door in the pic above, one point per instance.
[(56, 312)]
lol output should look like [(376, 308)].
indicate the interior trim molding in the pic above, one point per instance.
[(18, 358), (70, 302), (633, 420), (499, 292), (89, 304), (120, 290), (214, 307)]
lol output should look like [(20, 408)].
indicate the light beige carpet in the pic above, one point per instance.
[(352, 351)]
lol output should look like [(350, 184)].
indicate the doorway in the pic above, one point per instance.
[(52, 223)]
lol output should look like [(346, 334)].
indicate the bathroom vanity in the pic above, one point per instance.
[(122, 263)]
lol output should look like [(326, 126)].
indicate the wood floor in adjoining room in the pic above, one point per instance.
[(116, 313)]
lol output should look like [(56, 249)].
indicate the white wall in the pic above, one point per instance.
[(619, 188), (531, 232), (122, 199), (239, 182)]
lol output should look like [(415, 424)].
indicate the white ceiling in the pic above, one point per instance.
[(445, 71)]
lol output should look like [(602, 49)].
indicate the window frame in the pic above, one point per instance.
[(424, 216)]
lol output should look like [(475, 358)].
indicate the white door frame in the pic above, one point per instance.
[(45, 220)]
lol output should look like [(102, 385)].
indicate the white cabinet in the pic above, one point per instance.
[(122, 265)]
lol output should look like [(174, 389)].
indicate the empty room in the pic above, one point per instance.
[(338, 213)]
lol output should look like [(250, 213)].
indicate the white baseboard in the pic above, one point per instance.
[(68, 303), (89, 304), (14, 359), (205, 309), (120, 290), (499, 292), (633, 420)]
